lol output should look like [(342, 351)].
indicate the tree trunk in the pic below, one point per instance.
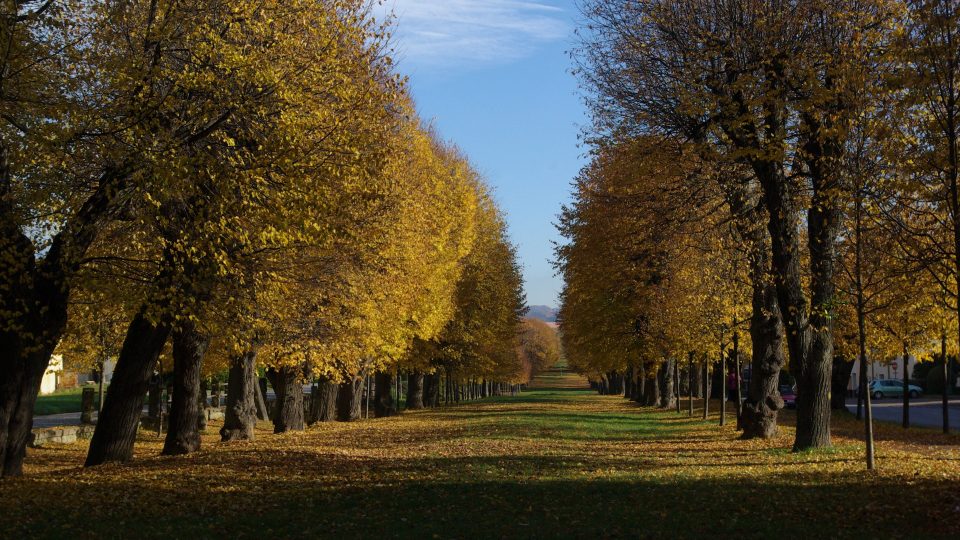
[(34, 318), (34, 295), (260, 396), (415, 390), (696, 380), (324, 403), (155, 399), (841, 381), (19, 388), (665, 380), (763, 403), (721, 372), (945, 399), (809, 324), (116, 429), (428, 384), (287, 384), (349, 400), (639, 395), (737, 371), (628, 382), (706, 387), (813, 383), (636, 388), (906, 388), (183, 436), (757, 415), (202, 406), (651, 391), (240, 418), (676, 383), (383, 404), (431, 390)]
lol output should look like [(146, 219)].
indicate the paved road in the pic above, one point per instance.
[(924, 411), (55, 420)]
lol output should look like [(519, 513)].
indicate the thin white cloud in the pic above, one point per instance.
[(451, 32)]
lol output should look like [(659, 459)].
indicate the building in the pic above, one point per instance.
[(882, 370), (51, 378), (55, 378)]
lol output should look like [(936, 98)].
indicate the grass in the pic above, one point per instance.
[(553, 462), (61, 401)]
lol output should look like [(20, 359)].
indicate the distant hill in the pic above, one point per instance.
[(544, 313)]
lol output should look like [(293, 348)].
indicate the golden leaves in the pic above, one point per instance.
[(549, 453), (284, 188)]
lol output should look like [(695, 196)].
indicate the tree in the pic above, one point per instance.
[(58, 185), (539, 347), (653, 252), (929, 69), (772, 86), (275, 148), (481, 339)]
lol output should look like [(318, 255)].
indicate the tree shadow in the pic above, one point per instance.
[(300, 493)]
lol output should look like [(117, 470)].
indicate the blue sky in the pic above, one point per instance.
[(493, 76)]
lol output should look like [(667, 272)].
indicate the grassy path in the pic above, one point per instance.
[(554, 462)]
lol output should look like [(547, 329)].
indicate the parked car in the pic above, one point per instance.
[(892, 388), (789, 395)]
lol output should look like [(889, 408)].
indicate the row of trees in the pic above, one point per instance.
[(786, 169), (540, 347), (223, 185)]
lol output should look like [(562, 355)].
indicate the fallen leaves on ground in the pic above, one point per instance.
[(553, 462)]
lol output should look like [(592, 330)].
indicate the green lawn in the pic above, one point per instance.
[(61, 401), (549, 463)]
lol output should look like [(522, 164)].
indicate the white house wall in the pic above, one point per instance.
[(49, 382)]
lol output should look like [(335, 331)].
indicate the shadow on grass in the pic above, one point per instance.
[(519, 500), (623, 472)]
